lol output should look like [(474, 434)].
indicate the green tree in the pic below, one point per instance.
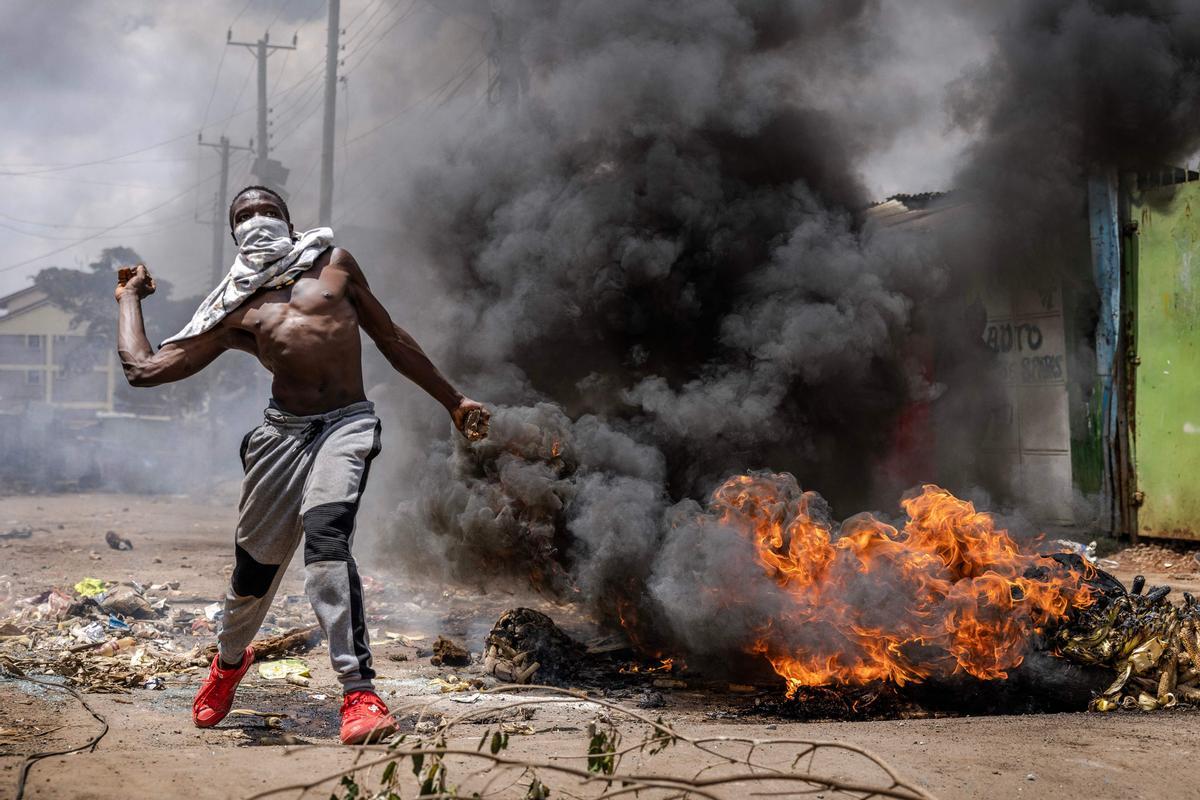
[(87, 294)]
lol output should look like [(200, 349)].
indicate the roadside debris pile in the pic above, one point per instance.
[(1175, 558), (101, 637), (1152, 643), (112, 637)]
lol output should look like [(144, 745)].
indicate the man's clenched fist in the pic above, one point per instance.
[(136, 280)]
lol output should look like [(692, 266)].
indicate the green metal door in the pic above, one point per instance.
[(1165, 278)]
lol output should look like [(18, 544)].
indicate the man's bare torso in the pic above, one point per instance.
[(307, 336)]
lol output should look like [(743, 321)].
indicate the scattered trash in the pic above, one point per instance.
[(21, 533), (116, 542), (1088, 550), (281, 669), (213, 610), (90, 587), (449, 654), (453, 683), (10, 631), (297, 680), (92, 633), (128, 602), (406, 639), (114, 646), (116, 623)]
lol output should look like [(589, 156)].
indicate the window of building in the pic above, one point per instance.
[(33, 341), (33, 377)]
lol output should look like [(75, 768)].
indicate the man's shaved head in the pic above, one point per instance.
[(274, 195)]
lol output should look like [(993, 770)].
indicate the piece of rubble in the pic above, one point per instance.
[(117, 542), (296, 640), (128, 602), (650, 700), (447, 653), (20, 533)]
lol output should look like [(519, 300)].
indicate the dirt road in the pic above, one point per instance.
[(152, 750)]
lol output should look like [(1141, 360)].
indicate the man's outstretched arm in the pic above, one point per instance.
[(142, 366), (404, 354)]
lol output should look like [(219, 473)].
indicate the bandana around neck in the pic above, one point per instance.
[(268, 256)]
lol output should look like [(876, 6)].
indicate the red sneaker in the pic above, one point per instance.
[(365, 718), (215, 697)]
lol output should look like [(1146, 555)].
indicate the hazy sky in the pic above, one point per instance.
[(104, 100)]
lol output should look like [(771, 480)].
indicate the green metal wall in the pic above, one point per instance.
[(1165, 298)]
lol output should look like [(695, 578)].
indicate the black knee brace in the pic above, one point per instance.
[(327, 530)]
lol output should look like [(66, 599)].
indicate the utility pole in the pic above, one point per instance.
[(268, 171), (219, 220), (325, 215)]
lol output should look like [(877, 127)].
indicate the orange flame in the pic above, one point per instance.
[(949, 592), (664, 665)]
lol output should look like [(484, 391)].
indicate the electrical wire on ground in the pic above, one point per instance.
[(90, 744)]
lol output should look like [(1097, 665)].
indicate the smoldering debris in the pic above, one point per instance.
[(526, 646)]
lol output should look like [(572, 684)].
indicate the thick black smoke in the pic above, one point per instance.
[(658, 269), (663, 235)]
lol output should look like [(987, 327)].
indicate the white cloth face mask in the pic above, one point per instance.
[(262, 240)]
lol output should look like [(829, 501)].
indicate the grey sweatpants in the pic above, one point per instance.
[(304, 476)]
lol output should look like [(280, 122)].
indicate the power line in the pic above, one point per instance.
[(171, 140), (299, 99), (416, 103), (238, 99), (65, 226), (110, 228), (278, 11), (303, 106), (141, 230), (381, 36), (60, 168), (74, 181), (345, 134), (106, 162), (367, 25), (361, 11), (213, 93), (243, 11)]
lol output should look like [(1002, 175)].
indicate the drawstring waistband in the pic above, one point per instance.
[(311, 426)]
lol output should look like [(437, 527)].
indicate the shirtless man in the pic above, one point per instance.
[(296, 303)]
